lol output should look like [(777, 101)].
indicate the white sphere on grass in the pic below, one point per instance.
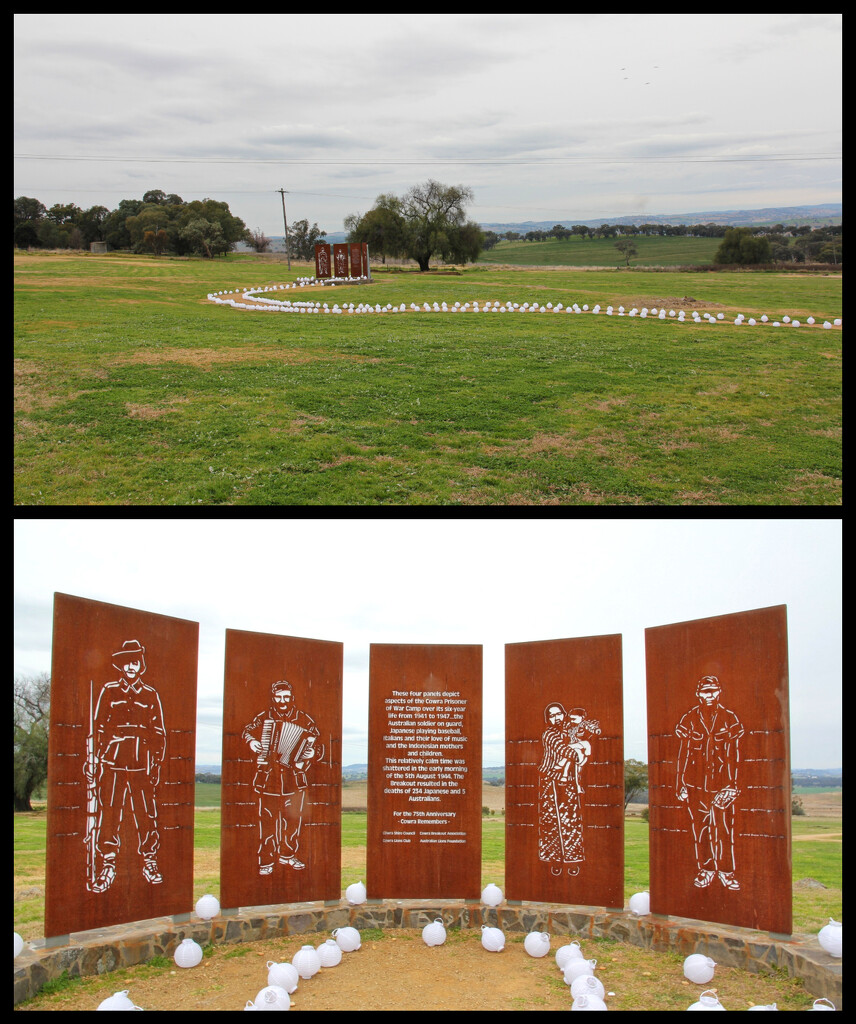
[(698, 968), (434, 934), (829, 937), (207, 906), (272, 997), (348, 939), (491, 895), (283, 974), (329, 953), (306, 961), (188, 953), (118, 1001), (564, 954), (587, 985), (537, 944), (640, 903)]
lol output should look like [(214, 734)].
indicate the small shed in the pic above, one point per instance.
[(98, 247)]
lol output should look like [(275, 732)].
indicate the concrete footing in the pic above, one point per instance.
[(105, 949)]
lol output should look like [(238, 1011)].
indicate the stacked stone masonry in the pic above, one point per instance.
[(100, 951)]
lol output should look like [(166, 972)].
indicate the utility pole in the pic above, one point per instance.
[(288, 255)]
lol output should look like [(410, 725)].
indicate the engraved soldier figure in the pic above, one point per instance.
[(707, 782), (284, 740), (125, 749), (340, 256)]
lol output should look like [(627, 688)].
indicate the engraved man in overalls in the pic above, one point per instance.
[(707, 782), (285, 741)]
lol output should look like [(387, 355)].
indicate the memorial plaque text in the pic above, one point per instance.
[(424, 827)]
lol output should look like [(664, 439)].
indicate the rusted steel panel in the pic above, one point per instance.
[(719, 773), (282, 770), (564, 771), (425, 764), (357, 264), (323, 266), (121, 760), (340, 259)]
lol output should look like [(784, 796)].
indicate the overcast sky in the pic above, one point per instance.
[(565, 116), (483, 582)]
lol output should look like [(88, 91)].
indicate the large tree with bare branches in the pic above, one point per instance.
[(428, 220), (32, 701)]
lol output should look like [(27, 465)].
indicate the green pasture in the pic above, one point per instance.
[(132, 388), (653, 251), (818, 860)]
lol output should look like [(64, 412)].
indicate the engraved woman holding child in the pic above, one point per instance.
[(566, 750)]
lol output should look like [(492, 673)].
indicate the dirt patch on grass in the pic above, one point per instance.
[(396, 970), (29, 395), (153, 412), (723, 389), (723, 433), (605, 444), (607, 404), (206, 358), (685, 302), (303, 420)]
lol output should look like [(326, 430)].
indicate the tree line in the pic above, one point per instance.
[(158, 223), (32, 699), (428, 220), (791, 243)]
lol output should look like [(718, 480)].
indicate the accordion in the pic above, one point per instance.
[(284, 743)]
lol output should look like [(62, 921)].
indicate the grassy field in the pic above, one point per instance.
[(601, 252), (132, 388), (815, 857)]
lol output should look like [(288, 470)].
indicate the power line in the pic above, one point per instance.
[(197, 191), (444, 163)]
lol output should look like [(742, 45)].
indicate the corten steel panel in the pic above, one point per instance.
[(322, 260), (719, 769), (280, 840), (425, 764), (356, 251), (340, 259), (564, 771), (121, 760)]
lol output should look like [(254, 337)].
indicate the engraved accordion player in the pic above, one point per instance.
[(284, 743)]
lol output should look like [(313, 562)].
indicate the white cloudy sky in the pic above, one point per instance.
[(432, 581), (564, 116)]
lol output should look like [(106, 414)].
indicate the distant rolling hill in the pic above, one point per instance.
[(824, 213)]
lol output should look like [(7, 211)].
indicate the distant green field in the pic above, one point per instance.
[(653, 251), (207, 794), (818, 860), (131, 388)]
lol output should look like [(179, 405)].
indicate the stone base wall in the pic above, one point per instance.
[(106, 949)]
